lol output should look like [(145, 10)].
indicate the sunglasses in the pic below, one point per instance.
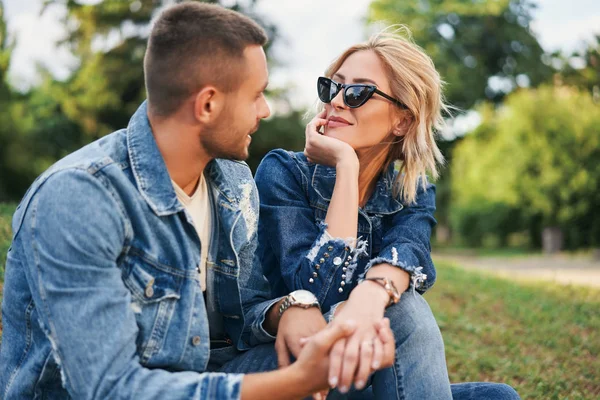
[(354, 95)]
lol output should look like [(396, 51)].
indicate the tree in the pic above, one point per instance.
[(56, 118), (483, 49), (581, 68), (533, 161)]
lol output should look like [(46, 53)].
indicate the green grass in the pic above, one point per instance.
[(541, 339)]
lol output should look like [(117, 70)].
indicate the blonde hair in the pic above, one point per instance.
[(416, 83)]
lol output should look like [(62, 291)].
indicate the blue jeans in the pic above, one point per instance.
[(419, 371)]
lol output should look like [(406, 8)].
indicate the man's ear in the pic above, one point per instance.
[(208, 104)]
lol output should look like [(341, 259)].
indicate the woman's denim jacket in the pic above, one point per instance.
[(101, 296), (296, 250)]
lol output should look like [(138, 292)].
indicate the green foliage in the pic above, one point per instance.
[(56, 118), (538, 338), (585, 76), (472, 41), (286, 131), (6, 212), (533, 161)]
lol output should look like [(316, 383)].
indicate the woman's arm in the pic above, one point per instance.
[(296, 250), (406, 244), (405, 253), (342, 213)]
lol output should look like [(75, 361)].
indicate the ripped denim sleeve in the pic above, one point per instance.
[(332, 263), (418, 278)]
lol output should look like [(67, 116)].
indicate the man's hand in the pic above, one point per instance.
[(296, 323)]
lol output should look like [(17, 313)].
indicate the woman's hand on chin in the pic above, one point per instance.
[(325, 150)]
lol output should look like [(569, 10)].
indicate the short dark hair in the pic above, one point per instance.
[(194, 44)]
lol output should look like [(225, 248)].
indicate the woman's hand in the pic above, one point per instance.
[(325, 150), (384, 336), (353, 359), (313, 361)]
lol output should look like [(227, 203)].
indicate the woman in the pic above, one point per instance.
[(350, 218)]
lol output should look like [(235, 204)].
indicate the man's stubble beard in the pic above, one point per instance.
[(220, 142)]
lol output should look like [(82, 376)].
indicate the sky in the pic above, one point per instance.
[(309, 40)]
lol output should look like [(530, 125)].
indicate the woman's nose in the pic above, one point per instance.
[(338, 100)]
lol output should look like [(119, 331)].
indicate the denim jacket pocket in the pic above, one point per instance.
[(155, 293)]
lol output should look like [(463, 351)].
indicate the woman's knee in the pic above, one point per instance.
[(412, 320)]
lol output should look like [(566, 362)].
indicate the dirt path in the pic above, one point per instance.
[(561, 269)]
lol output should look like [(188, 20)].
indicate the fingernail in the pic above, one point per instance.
[(376, 364), (360, 384), (344, 389), (333, 381)]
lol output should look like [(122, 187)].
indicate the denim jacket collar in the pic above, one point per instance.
[(150, 170), (381, 201), (148, 165)]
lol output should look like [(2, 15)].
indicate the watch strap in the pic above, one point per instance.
[(389, 287)]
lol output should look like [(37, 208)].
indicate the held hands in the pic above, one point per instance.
[(313, 362), (325, 150), (353, 359), (348, 329), (296, 323)]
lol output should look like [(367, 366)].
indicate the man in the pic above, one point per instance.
[(133, 257)]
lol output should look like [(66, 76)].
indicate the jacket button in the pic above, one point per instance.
[(337, 261), (149, 292), (196, 340)]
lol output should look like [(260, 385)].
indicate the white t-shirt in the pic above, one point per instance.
[(198, 206)]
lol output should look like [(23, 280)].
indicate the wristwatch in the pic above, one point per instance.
[(299, 298), (389, 287)]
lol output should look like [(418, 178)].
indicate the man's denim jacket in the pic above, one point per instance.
[(102, 298), (296, 250)]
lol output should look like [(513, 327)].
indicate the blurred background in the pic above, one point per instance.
[(518, 238)]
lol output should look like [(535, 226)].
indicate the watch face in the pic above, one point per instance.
[(304, 297)]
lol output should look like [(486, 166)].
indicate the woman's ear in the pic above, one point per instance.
[(401, 127)]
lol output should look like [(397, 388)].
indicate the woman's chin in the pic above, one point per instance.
[(337, 133)]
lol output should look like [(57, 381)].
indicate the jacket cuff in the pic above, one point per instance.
[(418, 279), (332, 262), (258, 331), (218, 385), (331, 313)]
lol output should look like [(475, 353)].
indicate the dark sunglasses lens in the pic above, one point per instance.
[(326, 89), (356, 96)]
